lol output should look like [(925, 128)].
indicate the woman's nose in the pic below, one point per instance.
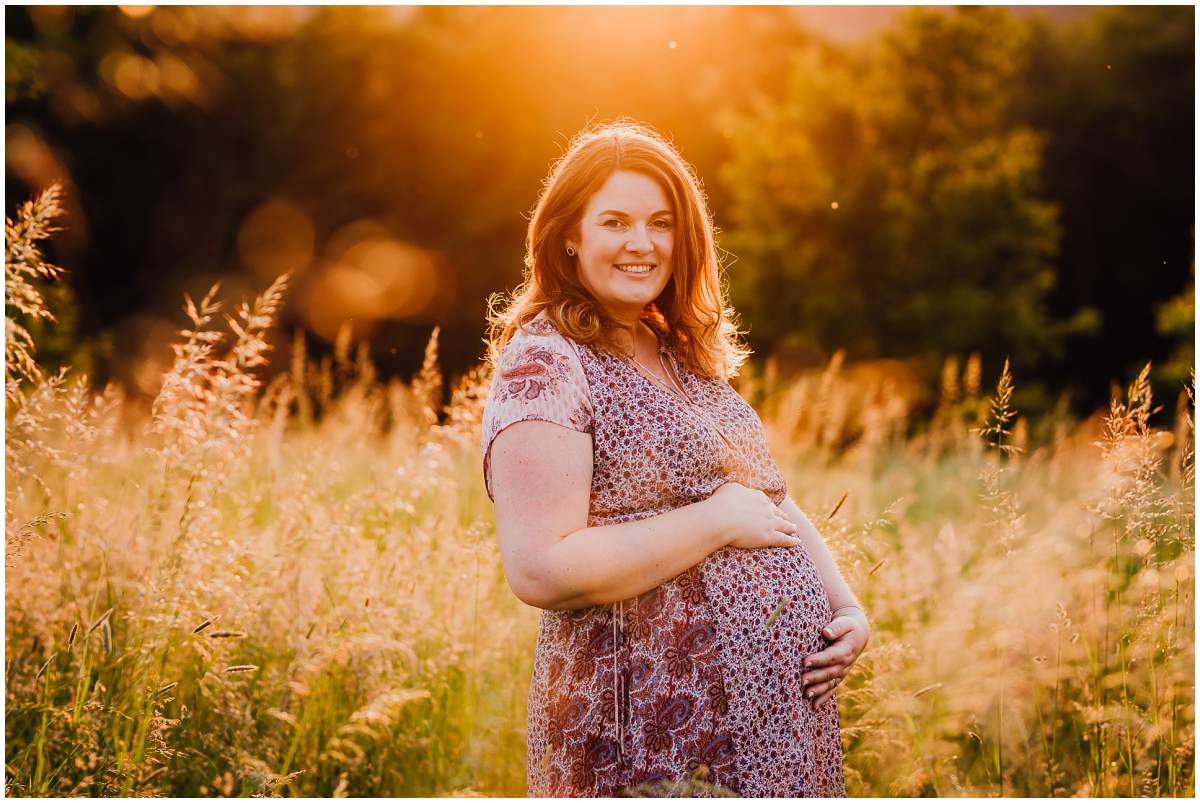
[(640, 241)]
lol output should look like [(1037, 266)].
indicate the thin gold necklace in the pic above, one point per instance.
[(674, 390), (653, 376)]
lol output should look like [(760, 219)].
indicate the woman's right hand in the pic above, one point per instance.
[(751, 520)]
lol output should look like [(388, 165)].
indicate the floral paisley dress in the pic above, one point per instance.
[(705, 669)]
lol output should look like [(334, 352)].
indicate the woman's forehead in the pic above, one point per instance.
[(630, 193)]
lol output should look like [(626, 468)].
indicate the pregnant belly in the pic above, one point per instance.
[(769, 604), (768, 607)]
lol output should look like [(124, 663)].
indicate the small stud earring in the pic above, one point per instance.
[(570, 251)]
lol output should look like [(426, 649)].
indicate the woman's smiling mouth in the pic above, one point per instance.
[(635, 267)]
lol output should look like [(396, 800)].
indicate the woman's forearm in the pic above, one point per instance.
[(601, 565), (836, 589)]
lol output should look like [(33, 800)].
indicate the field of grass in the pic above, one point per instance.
[(296, 589)]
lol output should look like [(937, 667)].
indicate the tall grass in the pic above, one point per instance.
[(295, 589), (1030, 586)]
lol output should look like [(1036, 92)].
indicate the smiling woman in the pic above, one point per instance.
[(685, 594)]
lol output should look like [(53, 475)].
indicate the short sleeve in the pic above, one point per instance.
[(539, 377)]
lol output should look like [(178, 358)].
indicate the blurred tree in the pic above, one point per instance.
[(1176, 319), (1115, 94), (435, 125), (22, 76), (175, 125), (888, 206)]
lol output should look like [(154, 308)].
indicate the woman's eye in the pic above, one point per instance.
[(658, 224)]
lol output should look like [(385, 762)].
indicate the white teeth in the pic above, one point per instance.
[(635, 268)]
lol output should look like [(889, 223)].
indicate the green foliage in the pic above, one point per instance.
[(1176, 319), (886, 205), (22, 72), (941, 143), (1113, 93)]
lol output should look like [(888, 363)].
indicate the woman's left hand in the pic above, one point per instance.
[(824, 670)]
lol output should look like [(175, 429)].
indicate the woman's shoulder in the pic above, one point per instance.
[(541, 332), (541, 326), (540, 376), (538, 346)]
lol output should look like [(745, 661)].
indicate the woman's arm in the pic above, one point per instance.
[(836, 590), (541, 479), (601, 565)]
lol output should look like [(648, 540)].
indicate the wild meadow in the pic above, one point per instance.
[(293, 587)]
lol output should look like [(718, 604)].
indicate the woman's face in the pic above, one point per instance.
[(627, 227)]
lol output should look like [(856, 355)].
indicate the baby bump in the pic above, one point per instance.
[(770, 604)]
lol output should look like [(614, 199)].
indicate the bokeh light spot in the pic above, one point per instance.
[(173, 25), (404, 273), (368, 276), (337, 296), (132, 75), (177, 77), (276, 237)]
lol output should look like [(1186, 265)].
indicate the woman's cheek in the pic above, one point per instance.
[(667, 250)]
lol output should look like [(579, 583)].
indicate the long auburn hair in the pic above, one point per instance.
[(691, 313)]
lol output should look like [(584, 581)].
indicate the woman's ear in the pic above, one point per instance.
[(571, 239)]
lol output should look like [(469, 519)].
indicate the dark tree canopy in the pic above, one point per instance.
[(1002, 184)]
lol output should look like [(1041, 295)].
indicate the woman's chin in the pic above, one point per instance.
[(640, 298), (637, 304)]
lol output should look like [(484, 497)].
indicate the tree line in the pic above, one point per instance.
[(968, 181)]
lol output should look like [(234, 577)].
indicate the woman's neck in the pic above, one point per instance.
[(638, 339)]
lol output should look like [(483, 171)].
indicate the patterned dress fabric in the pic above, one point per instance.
[(705, 669)]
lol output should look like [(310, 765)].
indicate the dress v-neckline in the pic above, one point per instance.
[(689, 403), (672, 368)]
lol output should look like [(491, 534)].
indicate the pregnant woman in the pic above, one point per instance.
[(695, 623)]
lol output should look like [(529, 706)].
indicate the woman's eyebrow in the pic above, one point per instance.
[(619, 213)]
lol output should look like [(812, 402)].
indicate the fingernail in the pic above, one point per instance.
[(828, 633)]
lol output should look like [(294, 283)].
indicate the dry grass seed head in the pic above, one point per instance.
[(23, 262)]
